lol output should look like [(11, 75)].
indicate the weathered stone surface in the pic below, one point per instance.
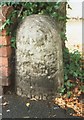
[(39, 65)]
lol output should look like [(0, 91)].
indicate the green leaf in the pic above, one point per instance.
[(13, 45), (82, 88), (69, 94), (66, 77), (13, 39)]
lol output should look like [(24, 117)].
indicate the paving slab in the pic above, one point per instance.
[(16, 108)]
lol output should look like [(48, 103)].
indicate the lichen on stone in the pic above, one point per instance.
[(38, 56)]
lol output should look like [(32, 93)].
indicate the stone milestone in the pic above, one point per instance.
[(39, 62)]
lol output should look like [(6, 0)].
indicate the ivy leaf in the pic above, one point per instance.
[(66, 77), (82, 88), (69, 94), (13, 45), (13, 39)]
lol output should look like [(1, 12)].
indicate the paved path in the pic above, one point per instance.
[(17, 108)]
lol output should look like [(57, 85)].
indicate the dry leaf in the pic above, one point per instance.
[(7, 110), (72, 102), (5, 103), (76, 89), (33, 99), (27, 104)]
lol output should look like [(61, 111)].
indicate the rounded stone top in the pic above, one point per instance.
[(38, 25), (38, 18)]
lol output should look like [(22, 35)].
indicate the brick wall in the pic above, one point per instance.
[(5, 48)]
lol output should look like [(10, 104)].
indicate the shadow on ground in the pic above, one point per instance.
[(15, 107)]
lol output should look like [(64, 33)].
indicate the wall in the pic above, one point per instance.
[(5, 49), (74, 26)]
